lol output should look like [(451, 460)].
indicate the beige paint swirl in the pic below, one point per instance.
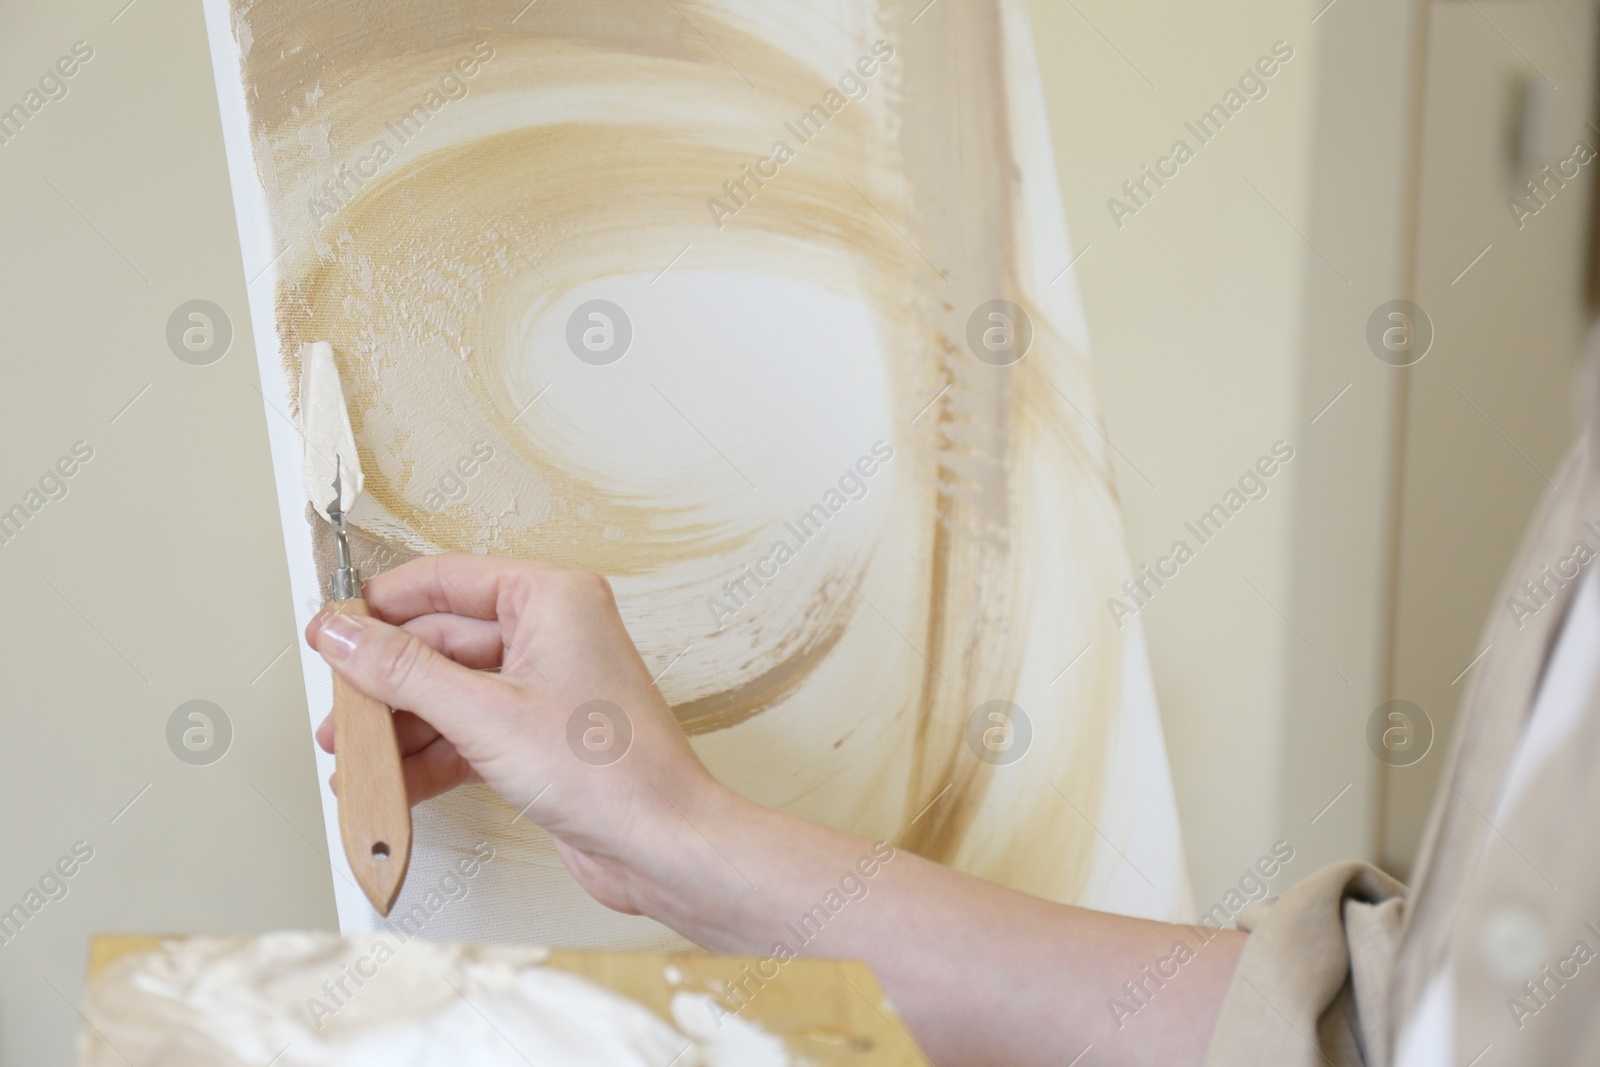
[(772, 345)]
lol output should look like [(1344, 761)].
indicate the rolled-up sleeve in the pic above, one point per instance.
[(1312, 985)]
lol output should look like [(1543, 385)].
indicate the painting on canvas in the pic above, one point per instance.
[(760, 309)]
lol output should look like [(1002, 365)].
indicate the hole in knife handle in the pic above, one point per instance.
[(380, 851)]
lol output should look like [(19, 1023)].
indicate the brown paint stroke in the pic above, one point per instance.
[(907, 203)]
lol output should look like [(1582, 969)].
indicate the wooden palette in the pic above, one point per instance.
[(826, 1011)]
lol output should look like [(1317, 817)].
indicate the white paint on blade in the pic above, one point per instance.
[(325, 425)]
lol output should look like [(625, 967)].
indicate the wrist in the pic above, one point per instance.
[(685, 873)]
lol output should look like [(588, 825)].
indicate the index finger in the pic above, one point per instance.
[(455, 583)]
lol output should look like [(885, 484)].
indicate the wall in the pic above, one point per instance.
[(1226, 314), (123, 596), (1492, 408)]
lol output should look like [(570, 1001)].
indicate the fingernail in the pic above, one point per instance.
[(338, 636)]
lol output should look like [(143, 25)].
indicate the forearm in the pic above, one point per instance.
[(982, 974)]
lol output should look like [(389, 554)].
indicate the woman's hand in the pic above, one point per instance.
[(522, 675), (497, 662)]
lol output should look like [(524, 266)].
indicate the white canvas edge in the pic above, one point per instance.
[(1144, 872), (260, 259)]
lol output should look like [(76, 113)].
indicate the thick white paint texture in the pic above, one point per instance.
[(325, 427), (315, 1000), (730, 1039)]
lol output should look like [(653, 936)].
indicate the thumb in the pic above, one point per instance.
[(401, 670)]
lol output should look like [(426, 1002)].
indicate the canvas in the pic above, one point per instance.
[(762, 310)]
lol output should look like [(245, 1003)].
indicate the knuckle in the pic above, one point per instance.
[(589, 588), (526, 585), (401, 660), (569, 591)]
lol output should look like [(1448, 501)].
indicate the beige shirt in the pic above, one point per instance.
[(1509, 909)]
